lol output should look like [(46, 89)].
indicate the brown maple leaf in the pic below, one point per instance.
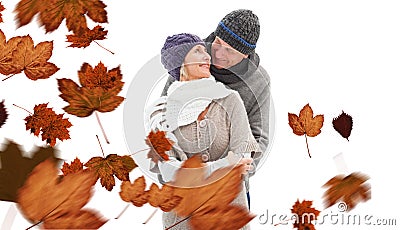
[(106, 168), (53, 12), (98, 92), (7, 49), (19, 54), (343, 124), (351, 189), (158, 144), (1, 9), (15, 168), (304, 214), (135, 192), (213, 196), (3, 114), (53, 126), (163, 198), (84, 38), (58, 203), (75, 166), (305, 124)]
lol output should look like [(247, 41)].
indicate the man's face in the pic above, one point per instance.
[(223, 55)]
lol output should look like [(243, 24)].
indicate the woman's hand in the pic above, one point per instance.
[(241, 159)]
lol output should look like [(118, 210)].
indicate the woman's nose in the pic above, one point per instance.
[(207, 56)]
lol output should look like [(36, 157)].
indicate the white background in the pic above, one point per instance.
[(335, 55)]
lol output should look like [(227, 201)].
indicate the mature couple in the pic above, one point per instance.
[(216, 101)]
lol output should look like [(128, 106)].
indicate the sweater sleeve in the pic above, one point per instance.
[(241, 137)]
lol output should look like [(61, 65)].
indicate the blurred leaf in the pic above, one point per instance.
[(350, 189), (57, 202), (15, 168)]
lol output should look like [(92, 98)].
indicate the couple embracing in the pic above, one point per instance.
[(216, 102)]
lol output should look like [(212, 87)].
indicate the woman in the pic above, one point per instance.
[(201, 115)]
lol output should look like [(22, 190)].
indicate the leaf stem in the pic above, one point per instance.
[(100, 145), (22, 108), (123, 211), (101, 127), (34, 225), (151, 216), (179, 222), (104, 48), (8, 77), (307, 146), (139, 151)]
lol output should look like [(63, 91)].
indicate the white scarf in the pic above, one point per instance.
[(187, 99)]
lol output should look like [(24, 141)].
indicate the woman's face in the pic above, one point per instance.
[(196, 64)]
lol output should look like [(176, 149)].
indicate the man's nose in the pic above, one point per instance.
[(219, 52)]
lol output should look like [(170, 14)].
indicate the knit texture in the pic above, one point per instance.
[(240, 29), (224, 128), (175, 49)]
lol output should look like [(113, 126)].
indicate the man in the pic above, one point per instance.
[(236, 64)]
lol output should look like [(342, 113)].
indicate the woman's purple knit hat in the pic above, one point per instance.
[(175, 50)]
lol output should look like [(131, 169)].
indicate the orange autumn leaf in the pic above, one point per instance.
[(110, 166), (58, 203), (163, 198), (350, 189), (134, 192), (158, 144), (51, 125), (1, 9), (86, 37), (137, 194), (15, 167), (98, 91), (305, 124), (304, 214), (75, 166), (213, 196), (19, 54), (53, 12)]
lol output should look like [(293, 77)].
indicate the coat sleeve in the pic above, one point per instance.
[(170, 80)]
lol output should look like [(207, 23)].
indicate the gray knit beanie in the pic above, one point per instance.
[(175, 50), (240, 29)]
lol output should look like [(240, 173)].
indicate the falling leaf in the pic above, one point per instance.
[(88, 36), (57, 202), (98, 91), (53, 12), (19, 54), (135, 192), (15, 168), (1, 9), (53, 126), (163, 198), (304, 214), (3, 114), (106, 168), (158, 144), (213, 196), (350, 189), (343, 124), (75, 166), (305, 124)]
